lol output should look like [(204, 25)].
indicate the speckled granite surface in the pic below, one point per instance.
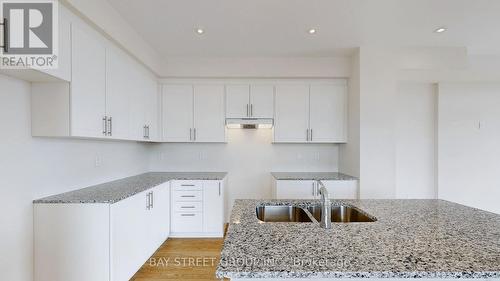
[(115, 191), (311, 176), (410, 239)]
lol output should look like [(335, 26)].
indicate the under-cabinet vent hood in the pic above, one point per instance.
[(249, 123)]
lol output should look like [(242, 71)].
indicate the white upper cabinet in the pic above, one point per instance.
[(193, 113), (177, 113), (328, 109), (313, 112), (120, 84), (209, 122), (249, 101), (88, 84), (237, 101), (292, 113), (261, 101)]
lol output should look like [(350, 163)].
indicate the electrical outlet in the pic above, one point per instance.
[(97, 160)]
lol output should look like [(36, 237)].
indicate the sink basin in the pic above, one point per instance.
[(342, 213), (282, 214)]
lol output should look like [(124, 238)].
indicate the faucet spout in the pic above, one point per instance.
[(326, 207)]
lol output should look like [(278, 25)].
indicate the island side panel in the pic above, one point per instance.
[(69, 239)]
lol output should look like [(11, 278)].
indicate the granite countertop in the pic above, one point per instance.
[(112, 192), (312, 176), (410, 239)]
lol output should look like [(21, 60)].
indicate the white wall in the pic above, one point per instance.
[(248, 157), (349, 152), (34, 167), (468, 144), (377, 123), (416, 126), (328, 67)]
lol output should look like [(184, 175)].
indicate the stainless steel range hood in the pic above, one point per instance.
[(249, 123)]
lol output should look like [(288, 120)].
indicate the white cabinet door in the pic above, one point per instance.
[(63, 70), (160, 214), (262, 101), (213, 207), (130, 219), (120, 85), (342, 189), (295, 189), (209, 125), (88, 86), (292, 113), (237, 101), (328, 104), (177, 113)]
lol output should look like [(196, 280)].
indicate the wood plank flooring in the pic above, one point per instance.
[(183, 259)]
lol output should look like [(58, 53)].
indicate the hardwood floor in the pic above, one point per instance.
[(182, 259)]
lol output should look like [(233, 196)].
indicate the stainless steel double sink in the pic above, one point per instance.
[(285, 213)]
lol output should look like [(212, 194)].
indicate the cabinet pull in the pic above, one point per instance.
[(251, 110), (311, 138), (307, 134), (144, 131), (187, 196), (187, 215), (147, 132), (190, 134), (152, 199), (110, 126), (194, 133), (147, 201), (104, 125), (219, 188), (247, 110), (5, 46), (313, 190), (187, 184), (187, 207)]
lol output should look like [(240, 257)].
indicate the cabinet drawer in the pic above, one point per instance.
[(187, 185), (187, 222), (189, 195), (188, 206)]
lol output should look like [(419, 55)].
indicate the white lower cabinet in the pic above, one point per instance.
[(309, 189), (197, 208), (100, 242)]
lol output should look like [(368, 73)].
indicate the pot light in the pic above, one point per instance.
[(312, 31), (200, 31), (440, 30)]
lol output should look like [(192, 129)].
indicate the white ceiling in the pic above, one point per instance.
[(278, 28)]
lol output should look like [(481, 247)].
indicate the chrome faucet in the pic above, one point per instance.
[(326, 207)]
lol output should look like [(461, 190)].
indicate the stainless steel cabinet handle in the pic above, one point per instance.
[(147, 131), (5, 46), (188, 196), (110, 126), (313, 190), (187, 207), (190, 134), (104, 125), (144, 131), (147, 201), (251, 110), (311, 138), (194, 133), (152, 199), (247, 111), (219, 188), (187, 215), (187, 184)]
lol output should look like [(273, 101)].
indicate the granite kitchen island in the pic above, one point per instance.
[(430, 239)]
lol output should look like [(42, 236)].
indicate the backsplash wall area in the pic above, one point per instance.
[(248, 156)]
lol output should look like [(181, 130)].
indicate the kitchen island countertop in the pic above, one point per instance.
[(410, 239)]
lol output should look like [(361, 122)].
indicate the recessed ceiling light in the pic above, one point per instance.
[(200, 31), (440, 30), (312, 31)]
